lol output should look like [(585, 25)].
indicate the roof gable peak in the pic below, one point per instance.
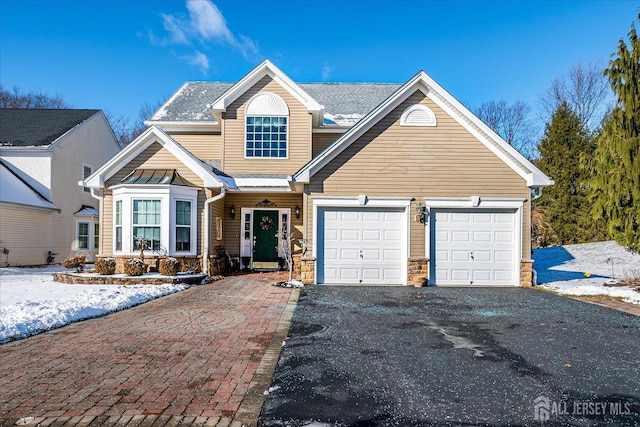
[(266, 68)]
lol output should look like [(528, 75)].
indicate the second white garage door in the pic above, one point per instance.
[(361, 246), (473, 247)]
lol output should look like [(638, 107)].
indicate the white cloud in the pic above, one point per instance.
[(205, 23), (175, 29), (326, 72), (199, 59)]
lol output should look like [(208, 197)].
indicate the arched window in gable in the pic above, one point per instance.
[(267, 130), (418, 115)]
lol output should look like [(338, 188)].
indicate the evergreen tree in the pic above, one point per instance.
[(615, 167), (565, 204)]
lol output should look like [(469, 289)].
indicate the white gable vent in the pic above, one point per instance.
[(418, 115), (267, 104)]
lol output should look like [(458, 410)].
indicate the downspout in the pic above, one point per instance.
[(205, 261)]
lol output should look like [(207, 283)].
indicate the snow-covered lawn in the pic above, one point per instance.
[(586, 269), (31, 302)]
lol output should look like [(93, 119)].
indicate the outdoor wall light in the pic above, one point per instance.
[(232, 211), (297, 211), (421, 213)]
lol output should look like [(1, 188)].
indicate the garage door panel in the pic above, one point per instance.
[(481, 275), (331, 254), (460, 256), (349, 254), (460, 275), (347, 234), (372, 254), (473, 247), (371, 235), (503, 256), (503, 275), (482, 237), (392, 275), (392, 254), (502, 236), (460, 237), (362, 245), (482, 256)]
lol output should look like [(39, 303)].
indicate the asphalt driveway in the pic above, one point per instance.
[(400, 356)]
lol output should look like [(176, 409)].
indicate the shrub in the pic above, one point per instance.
[(169, 266), (76, 262), (190, 265), (105, 266), (134, 267)]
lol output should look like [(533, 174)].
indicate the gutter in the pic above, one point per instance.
[(207, 237)]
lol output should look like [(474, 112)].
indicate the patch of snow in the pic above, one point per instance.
[(31, 302), (588, 269), (290, 284)]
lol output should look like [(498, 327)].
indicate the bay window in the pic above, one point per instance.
[(164, 215)]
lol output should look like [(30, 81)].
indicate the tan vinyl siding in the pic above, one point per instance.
[(25, 232), (299, 138), (321, 141), (204, 146), (155, 157), (441, 161), (232, 230)]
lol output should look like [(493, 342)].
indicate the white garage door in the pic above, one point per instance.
[(361, 246), (473, 247)]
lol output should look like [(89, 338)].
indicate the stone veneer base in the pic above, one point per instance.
[(119, 279)]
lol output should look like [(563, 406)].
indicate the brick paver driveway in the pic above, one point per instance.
[(201, 356)]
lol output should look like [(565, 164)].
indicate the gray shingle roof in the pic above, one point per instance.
[(32, 127), (342, 101)]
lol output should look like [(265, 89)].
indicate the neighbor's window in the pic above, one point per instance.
[(118, 225), (83, 235), (183, 225), (86, 172), (96, 235), (146, 223), (266, 137)]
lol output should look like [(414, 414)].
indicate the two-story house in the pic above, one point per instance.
[(44, 214), (376, 183)]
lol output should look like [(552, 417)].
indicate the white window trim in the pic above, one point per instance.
[(174, 226), (478, 204), (363, 201), (168, 195)]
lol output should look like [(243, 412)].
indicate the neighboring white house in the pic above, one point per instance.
[(43, 155)]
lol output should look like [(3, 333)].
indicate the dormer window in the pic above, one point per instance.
[(267, 132)]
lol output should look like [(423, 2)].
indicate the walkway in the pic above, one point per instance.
[(203, 356)]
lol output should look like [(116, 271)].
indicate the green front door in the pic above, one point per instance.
[(265, 242)]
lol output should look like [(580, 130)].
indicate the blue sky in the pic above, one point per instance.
[(118, 55)]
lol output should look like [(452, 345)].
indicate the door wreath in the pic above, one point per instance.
[(266, 223)]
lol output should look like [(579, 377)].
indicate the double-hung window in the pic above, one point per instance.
[(83, 235), (146, 223), (183, 226)]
